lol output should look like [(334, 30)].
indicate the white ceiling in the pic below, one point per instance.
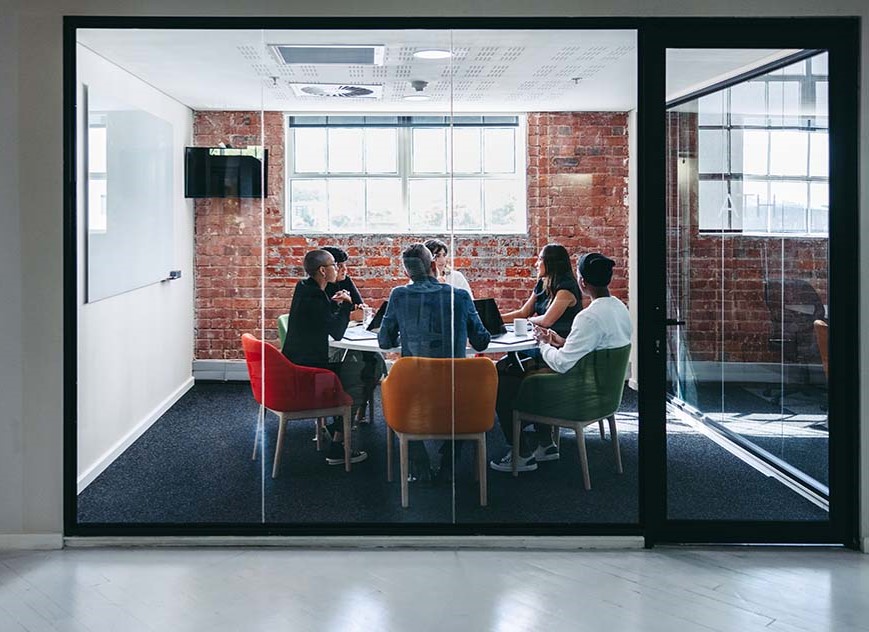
[(490, 70)]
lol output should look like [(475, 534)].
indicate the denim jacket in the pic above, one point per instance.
[(418, 316)]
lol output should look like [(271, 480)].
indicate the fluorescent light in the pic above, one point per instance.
[(416, 97), (433, 53)]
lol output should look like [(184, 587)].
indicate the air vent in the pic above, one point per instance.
[(337, 90), (320, 55)]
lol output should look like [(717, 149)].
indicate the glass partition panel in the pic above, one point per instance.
[(747, 266), (170, 212)]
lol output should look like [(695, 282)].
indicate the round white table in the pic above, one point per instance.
[(370, 344)]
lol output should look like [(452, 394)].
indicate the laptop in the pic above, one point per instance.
[(370, 332), (494, 324)]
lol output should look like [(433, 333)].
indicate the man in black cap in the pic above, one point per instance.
[(604, 324)]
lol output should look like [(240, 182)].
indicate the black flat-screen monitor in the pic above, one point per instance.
[(210, 173)]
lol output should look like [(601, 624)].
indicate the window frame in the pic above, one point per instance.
[(405, 173)]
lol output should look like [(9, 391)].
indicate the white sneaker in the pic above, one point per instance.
[(546, 453), (525, 464)]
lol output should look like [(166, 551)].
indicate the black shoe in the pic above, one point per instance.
[(335, 455)]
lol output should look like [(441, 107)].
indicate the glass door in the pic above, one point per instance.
[(755, 223)]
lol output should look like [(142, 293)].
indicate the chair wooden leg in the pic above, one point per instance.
[(318, 424), (280, 444), (256, 437), (600, 427), (583, 457), (347, 436), (615, 439), (481, 468), (389, 440), (516, 441), (402, 457)]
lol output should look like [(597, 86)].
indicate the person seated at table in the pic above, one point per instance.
[(555, 299), (344, 282), (361, 370), (604, 324), (419, 316), (314, 316), (444, 273)]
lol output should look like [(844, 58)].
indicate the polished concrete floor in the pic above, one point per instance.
[(235, 589)]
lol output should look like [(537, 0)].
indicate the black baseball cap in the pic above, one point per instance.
[(596, 269)]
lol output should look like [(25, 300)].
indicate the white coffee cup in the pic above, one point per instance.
[(520, 326)]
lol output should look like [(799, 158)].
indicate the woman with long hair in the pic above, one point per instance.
[(556, 298)]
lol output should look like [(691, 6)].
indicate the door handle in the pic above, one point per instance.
[(673, 321)]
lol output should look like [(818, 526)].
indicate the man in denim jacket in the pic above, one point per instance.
[(430, 319)]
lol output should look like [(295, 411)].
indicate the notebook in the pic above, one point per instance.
[(370, 332)]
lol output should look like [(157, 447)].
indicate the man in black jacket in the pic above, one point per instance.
[(314, 316)]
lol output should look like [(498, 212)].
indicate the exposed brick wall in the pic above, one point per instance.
[(731, 324), (577, 196)]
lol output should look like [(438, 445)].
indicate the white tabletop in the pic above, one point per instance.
[(370, 344)]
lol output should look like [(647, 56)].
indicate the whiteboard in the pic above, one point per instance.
[(128, 198)]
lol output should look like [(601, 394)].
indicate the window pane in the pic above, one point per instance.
[(819, 64), (755, 149), (381, 151), (345, 151), (790, 200), (711, 149), (710, 109), (467, 209), (500, 205), (821, 107), (711, 197), (784, 103), (748, 103), (819, 207), (308, 204), (788, 153), (755, 206), (309, 150), (819, 160), (96, 205), (429, 150), (346, 205), (466, 150), (385, 210), (500, 151), (428, 204)]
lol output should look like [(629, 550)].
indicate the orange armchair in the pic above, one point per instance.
[(428, 398), (294, 392)]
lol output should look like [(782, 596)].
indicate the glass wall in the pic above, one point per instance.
[(346, 240), (747, 285)]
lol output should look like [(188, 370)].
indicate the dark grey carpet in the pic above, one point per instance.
[(194, 466)]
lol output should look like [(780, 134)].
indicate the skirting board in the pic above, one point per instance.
[(557, 543), (89, 475), (220, 370), (31, 541)]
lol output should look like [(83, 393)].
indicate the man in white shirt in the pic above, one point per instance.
[(604, 324)]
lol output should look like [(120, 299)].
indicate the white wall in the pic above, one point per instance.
[(136, 348), (40, 112)]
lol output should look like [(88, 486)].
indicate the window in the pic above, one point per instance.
[(96, 167), (763, 153), (398, 174)]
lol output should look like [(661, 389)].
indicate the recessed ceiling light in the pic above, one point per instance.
[(416, 97), (433, 54)]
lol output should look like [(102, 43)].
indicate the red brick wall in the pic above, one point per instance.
[(577, 196), (739, 262)]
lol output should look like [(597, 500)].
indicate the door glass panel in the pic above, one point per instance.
[(747, 279)]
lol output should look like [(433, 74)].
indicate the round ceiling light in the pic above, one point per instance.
[(433, 53), (416, 97)]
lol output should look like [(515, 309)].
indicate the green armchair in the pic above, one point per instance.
[(283, 321), (589, 392)]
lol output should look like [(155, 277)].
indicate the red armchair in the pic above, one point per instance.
[(294, 392)]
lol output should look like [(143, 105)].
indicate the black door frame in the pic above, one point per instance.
[(839, 35)]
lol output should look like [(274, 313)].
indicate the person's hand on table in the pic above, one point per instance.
[(358, 312), (547, 336), (341, 296)]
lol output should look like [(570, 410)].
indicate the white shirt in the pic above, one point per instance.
[(458, 280), (605, 324)]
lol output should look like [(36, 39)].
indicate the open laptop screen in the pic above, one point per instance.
[(489, 314)]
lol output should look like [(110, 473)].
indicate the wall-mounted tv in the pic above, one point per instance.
[(226, 173)]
